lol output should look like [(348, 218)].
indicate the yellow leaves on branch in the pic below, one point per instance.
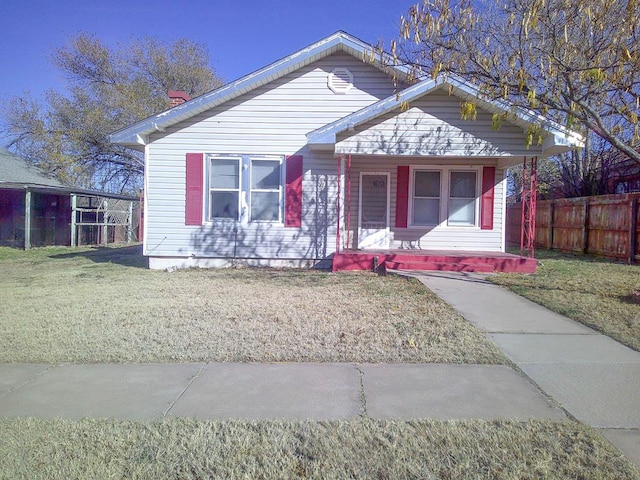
[(468, 111)]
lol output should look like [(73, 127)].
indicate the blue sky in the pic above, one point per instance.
[(241, 35)]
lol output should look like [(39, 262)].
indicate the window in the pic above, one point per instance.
[(446, 194), (245, 188), (426, 197), (266, 190), (462, 198), (224, 188)]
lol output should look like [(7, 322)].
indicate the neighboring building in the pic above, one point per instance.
[(324, 152), (37, 210)]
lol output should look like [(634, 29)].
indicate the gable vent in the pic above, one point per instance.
[(340, 80)]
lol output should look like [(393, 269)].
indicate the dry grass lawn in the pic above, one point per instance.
[(362, 449), (102, 305), (601, 294)]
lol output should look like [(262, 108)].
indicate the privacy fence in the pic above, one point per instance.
[(607, 225)]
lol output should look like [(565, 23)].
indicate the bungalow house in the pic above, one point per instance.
[(329, 155)]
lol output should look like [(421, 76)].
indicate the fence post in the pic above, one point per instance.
[(550, 227), (585, 228), (633, 229)]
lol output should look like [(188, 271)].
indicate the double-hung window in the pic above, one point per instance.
[(444, 197), (224, 187), (462, 198), (245, 188), (266, 189), (426, 197)]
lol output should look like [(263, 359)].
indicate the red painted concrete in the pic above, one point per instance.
[(484, 262)]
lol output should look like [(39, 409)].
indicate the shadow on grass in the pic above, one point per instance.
[(128, 256), (546, 254)]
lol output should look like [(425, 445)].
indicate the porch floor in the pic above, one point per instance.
[(440, 260)]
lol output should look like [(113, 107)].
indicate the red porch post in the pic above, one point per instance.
[(348, 221), (339, 161), (529, 206)]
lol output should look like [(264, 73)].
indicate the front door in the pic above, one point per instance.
[(373, 215)]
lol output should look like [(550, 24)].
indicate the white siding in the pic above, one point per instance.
[(441, 237), (272, 119), (433, 126)]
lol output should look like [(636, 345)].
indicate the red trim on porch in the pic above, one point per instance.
[(402, 196), (486, 203), (432, 260)]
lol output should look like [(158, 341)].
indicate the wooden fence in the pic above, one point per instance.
[(607, 225)]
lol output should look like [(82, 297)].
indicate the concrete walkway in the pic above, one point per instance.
[(593, 378), (572, 371), (294, 391)]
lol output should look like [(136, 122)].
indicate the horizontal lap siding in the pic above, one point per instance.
[(433, 126), (438, 238), (273, 119)]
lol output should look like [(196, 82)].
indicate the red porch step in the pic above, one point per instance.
[(435, 261)]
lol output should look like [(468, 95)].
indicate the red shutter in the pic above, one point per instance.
[(402, 196), (486, 204), (194, 190), (293, 192)]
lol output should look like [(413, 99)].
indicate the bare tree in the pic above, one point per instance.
[(108, 89)]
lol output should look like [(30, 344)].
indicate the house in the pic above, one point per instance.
[(329, 155), (38, 210)]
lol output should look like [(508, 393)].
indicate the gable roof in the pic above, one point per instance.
[(136, 134), (558, 138), (16, 170)]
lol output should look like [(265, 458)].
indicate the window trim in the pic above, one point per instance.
[(476, 198), (244, 188), (210, 189), (445, 176), (279, 190), (412, 197)]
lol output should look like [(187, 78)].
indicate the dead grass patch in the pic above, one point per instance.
[(598, 293), (192, 449), (63, 305)]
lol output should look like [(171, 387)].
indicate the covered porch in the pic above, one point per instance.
[(421, 187)]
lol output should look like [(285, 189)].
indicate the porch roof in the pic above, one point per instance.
[(557, 139)]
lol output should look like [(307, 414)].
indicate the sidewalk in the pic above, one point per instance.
[(595, 379), (292, 391), (573, 371)]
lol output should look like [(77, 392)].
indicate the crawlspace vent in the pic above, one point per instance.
[(340, 80)]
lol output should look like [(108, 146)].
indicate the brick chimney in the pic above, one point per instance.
[(177, 97)]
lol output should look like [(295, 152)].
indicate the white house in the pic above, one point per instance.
[(324, 155)]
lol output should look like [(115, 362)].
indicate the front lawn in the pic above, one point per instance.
[(357, 449), (601, 294), (102, 305)]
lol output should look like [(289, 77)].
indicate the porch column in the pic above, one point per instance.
[(529, 205), (348, 221), (338, 202), (74, 227), (27, 219), (105, 224), (130, 223)]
